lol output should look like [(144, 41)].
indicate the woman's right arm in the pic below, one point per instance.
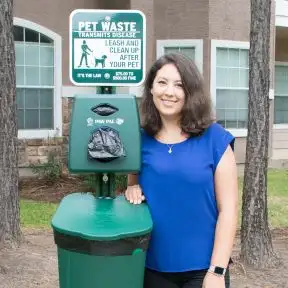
[(133, 192)]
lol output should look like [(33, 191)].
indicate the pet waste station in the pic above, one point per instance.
[(102, 239)]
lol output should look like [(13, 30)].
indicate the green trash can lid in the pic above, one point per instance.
[(83, 215)]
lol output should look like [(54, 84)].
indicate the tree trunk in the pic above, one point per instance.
[(256, 242), (9, 195)]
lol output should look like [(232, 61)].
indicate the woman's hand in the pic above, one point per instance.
[(134, 194), (213, 281)]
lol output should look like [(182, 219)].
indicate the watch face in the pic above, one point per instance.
[(219, 270)]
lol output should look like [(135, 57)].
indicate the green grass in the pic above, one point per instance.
[(39, 214), (277, 198), (36, 214)]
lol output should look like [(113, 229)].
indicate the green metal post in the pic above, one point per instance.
[(105, 182), (105, 185)]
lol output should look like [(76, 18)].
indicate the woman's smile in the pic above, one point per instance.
[(167, 91), (168, 103)]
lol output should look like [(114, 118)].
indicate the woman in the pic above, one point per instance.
[(188, 178)]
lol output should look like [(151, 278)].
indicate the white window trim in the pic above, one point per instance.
[(280, 126), (281, 13), (57, 131), (224, 44), (196, 43)]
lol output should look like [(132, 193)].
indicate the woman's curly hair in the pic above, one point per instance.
[(196, 114)]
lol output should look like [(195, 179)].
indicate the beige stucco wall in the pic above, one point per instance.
[(147, 7), (54, 15), (280, 144), (182, 19), (114, 4), (229, 19)]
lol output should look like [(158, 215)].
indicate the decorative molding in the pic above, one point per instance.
[(281, 13), (30, 134), (224, 44)]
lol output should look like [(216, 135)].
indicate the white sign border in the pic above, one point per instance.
[(107, 11)]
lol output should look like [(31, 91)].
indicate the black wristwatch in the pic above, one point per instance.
[(219, 271)]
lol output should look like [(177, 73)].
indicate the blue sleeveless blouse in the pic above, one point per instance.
[(179, 190)]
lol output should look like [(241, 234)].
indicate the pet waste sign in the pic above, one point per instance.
[(107, 47)]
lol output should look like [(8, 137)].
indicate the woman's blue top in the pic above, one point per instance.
[(179, 190)]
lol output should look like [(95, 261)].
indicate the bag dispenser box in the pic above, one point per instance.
[(104, 134)]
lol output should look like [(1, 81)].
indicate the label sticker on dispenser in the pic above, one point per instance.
[(91, 122)]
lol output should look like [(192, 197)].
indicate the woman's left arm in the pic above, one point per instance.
[(226, 189)]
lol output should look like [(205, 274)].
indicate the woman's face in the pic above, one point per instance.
[(167, 91)]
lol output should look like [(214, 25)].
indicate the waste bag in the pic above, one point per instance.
[(105, 145)]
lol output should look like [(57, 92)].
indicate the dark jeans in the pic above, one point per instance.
[(190, 279)]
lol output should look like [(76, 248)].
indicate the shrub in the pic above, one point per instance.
[(51, 170)]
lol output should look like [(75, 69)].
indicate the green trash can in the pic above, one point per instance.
[(101, 243)]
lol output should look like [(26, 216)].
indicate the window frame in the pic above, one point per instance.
[(57, 99), (282, 125), (185, 43), (232, 45), (281, 13)]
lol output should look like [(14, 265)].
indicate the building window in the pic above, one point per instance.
[(192, 48), (187, 51), (34, 79), (38, 80), (281, 94), (230, 84)]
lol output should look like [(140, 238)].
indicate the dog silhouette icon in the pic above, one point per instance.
[(100, 61)]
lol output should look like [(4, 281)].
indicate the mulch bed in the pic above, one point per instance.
[(40, 190)]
